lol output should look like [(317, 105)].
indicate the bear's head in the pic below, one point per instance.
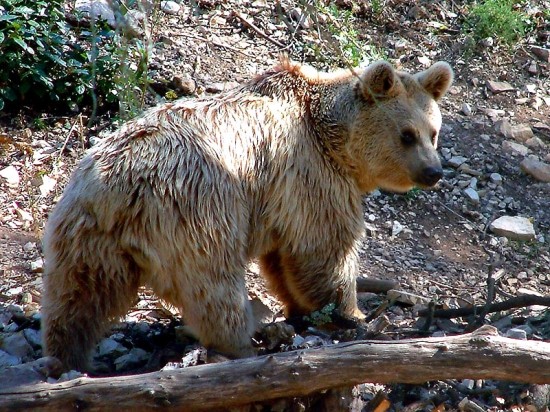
[(395, 127)]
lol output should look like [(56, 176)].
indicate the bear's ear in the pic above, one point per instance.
[(437, 79), (377, 81)]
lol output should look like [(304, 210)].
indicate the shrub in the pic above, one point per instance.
[(47, 63), (496, 18)]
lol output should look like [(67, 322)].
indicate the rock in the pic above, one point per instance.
[(37, 266), (472, 195), (300, 17), (34, 337), (185, 84), (520, 132), (110, 347), (514, 149), (406, 297), (11, 176), (95, 9), (170, 7), (488, 42), (424, 61), (8, 360), (541, 53), (499, 87), (539, 170), (516, 333), (535, 142), (456, 161), (533, 68), (15, 344), (396, 228), (496, 178), (48, 184), (134, 359), (513, 227), (466, 109), (531, 88)]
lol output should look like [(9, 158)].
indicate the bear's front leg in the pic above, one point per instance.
[(305, 283)]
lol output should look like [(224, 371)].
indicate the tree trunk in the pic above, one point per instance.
[(479, 355)]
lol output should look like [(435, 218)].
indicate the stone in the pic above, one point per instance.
[(185, 84), (170, 7), (472, 195), (539, 170), (533, 68), (37, 266), (110, 347), (496, 178), (96, 9), (300, 17), (513, 227), (535, 142), (16, 344), (466, 109), (514, 149), (34, 337), (406, 297), (8, 360), (456, 161), (520, 133), (542, 53), (516, 333), (396, 228), (10, 175), (135, 358), (499, 87)]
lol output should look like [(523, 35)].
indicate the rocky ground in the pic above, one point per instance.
[(439, 245)]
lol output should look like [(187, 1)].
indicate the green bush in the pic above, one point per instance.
[(46, 63), (498, 19)]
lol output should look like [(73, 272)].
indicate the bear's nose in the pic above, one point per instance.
[(431, 175)]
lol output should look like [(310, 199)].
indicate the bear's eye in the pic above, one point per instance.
[(408, 137)]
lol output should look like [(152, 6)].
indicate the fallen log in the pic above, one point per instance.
[(482, 354)]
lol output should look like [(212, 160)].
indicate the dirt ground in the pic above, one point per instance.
[(435, 244)]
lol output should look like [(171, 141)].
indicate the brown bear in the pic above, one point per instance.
[(182, 198)]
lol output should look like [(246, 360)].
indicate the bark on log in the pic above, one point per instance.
[(479, 355)]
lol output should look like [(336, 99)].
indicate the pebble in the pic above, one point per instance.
[(11, 176), (110, 347), (513, 227), (8, 360), (95, 9), (496, 178), (34, 337), (515, 149), (37, 266), (16, 344), (456, 161), (396, 228), (499, 87), (466, 109), (170, 7), (516, 333), (542, 53), (520, 132), (135, 358), (539, 170), (472, 195)]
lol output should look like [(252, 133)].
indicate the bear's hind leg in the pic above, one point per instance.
[(79, 304)]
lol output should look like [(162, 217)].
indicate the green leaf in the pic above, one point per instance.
[(8, 17)]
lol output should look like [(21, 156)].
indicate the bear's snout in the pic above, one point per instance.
[(430, 175)]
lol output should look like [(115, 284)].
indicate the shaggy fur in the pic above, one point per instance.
[(184, 197)]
